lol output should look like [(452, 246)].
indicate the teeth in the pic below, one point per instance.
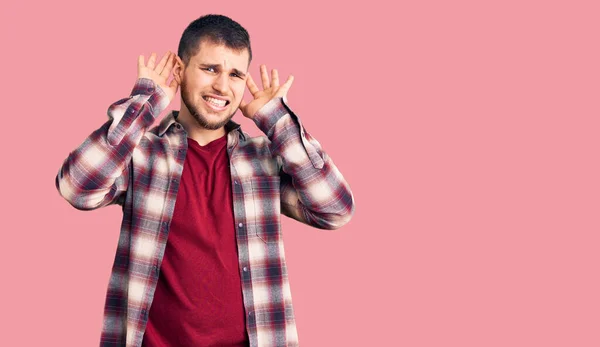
[(216, 102)]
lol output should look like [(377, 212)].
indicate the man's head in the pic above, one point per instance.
[(213, 58)]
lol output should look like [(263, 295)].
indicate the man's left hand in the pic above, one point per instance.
[(271, 90)]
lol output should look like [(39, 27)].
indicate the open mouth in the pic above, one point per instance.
[(215, 103)]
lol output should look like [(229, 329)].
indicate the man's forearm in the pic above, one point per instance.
[(96, 172), (315, 192)]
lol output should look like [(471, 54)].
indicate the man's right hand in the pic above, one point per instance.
[(159, 73)]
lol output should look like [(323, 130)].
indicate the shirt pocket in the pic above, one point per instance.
[(265, 193)]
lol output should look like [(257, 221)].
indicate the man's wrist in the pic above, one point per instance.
[(266, 117), (158, 99)]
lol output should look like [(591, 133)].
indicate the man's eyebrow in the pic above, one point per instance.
[(218, 66), (238, 72)]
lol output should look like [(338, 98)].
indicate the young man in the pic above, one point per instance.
[(200, 258)]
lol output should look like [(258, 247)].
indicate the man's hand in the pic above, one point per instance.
[(271, 90), (159, 73)]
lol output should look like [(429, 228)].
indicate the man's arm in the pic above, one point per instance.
[(313, 191), (96, 173)]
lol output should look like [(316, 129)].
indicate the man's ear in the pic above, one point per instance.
[(178, 69)]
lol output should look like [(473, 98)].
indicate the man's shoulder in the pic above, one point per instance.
[(154, 134), (256, 154), (257, 143), (260, 139)]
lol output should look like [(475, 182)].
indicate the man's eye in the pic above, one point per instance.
[(236, 75), (209, 69)]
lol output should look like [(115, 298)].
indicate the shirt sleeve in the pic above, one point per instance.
[(96, 173), (313, 191)]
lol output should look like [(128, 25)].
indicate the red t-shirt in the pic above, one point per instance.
[(198, 299)]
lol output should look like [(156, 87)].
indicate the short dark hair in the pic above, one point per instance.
[(216, 29)]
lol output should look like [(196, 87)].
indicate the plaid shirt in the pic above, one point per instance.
[(124, 163)]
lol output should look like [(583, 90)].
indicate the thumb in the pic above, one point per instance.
[(244, 108), (174, 85)]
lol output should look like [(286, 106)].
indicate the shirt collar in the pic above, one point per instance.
[(171, 119)]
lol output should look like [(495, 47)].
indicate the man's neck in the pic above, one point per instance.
[(194, 131)]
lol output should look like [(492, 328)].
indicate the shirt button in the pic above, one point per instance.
[(250, 313), (240, 225), (178, 126), (150, 89), (131, 110), (236, 182), (174, 180), (245, 269)]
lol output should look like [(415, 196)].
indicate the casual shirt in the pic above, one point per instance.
[(126, 162)]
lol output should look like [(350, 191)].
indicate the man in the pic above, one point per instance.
[(200, 258)]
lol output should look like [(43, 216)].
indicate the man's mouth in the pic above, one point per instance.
[(216, 103)]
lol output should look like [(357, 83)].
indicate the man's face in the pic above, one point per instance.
[(213, 83)]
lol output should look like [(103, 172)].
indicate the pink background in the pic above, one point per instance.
[(467, 130)]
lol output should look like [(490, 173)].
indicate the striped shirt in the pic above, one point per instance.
[(126, 162)]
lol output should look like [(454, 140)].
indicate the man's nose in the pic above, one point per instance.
[(221, 83)]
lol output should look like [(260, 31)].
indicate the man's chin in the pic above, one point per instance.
[(211, 122)]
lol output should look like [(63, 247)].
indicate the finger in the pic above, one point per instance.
[(265, 77), (243, 104), (151, 61), (274, 79), (251, 85), (162, 63), (168, 65), (141, 64), (286, 86)]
